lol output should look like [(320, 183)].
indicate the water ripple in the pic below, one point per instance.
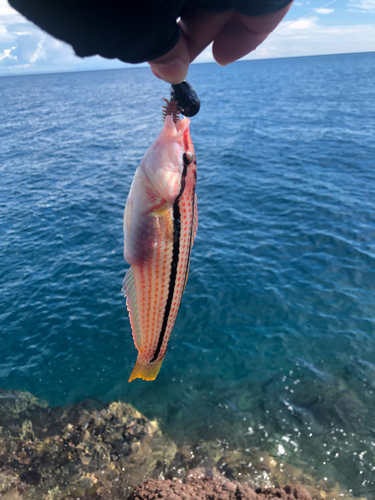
[(276, 329)]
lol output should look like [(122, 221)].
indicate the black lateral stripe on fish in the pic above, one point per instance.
[(174, 263)]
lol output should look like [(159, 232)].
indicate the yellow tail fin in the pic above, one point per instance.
[(147, 372)]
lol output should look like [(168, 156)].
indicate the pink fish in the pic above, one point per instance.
[(160, 224)]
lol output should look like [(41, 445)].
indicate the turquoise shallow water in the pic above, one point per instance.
[(274, 344)]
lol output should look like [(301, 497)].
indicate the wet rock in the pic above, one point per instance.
[(13, 403), (27, 430), (193, 489), (198, 487), (287, 493), (31, 476), (84, 451), (92, 451)]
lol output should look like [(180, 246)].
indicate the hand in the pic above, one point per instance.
[(233, 35)]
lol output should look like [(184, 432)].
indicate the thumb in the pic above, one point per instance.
[(173, 66)]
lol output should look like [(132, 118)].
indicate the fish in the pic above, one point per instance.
[(160, 225)]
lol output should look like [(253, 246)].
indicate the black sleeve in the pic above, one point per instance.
[(133, 31)]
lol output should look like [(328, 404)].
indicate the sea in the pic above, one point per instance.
[(274, 344)]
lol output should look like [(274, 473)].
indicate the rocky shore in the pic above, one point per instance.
[(202, 485), (91, 451)]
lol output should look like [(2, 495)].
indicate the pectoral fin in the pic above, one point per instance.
[(164, 220), (160, 210)]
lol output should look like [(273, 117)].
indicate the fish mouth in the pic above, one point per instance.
[(173, 109)]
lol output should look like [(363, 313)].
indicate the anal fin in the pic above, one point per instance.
[(129, 289)]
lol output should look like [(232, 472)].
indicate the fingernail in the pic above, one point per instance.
[(173, 72)]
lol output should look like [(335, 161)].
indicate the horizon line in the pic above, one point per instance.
[(144, 65)]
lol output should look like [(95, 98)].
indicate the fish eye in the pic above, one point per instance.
[(187, 157)]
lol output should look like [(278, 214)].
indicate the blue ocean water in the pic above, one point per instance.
[(274, 344)]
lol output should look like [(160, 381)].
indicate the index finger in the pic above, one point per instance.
[(243, 34)]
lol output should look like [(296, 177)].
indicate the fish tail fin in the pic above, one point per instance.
[(146, 372)]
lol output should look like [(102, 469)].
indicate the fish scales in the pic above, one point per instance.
[(160, 224)]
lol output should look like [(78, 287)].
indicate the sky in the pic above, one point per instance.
[(310, 28)]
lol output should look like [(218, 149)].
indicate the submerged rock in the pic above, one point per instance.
[(92, 451), (84, 451)]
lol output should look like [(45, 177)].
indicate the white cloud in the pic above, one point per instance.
[(5, 36), (323, 10), (6, 9), (22, 44), (25, 48), (308, 37), (7, 53), (300, 24), (362, 5)]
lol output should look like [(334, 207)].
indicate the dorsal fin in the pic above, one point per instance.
[(193, 234), (128, 287)]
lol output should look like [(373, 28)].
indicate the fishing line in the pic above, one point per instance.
[(305, 15)]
